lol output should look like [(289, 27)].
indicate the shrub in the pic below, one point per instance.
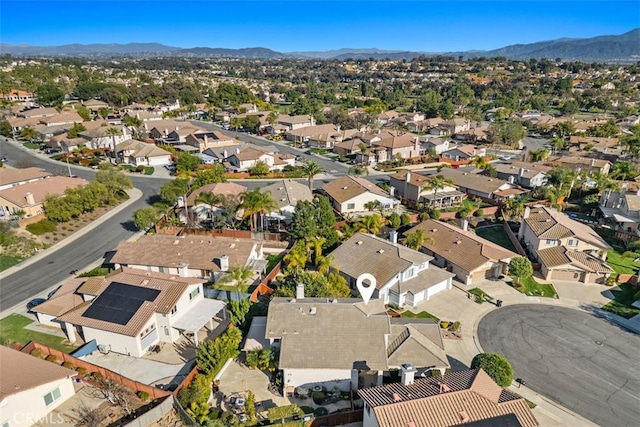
[(143, 395), (140, 168), (496, 366), (405, 219), (81, 371), (435, 373), (68, 365), (197, 392), (280, 412), (38, 353), (424, 216), (444, 324), (455, 326), (394, 220), (52, 358), (321, 412), (435, 214), (479, 212), (149, 170), (96, 375), (41, 227), (318, 397)]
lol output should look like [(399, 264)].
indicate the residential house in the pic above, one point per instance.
[(464, 153), (424, 125), (204, 140), (203, 212), (31, 388), (190, 256), (17, 95), (102, 138), (490, 189), (11, 177), (348, 147), (586, 164), (287, 194), (144, 115), (468, 397), (140, 153), (403, 145), (66, 118), (451, 127), (160, 130), (467, 255), (246, 159), (316, 133), (38, 112), (129, 311), (387, 117), (567, 249), (180, 133), (319, 348), (413, 187), (219, 154), (438, 145), (351, 194), (19, 123), (403, 276), (29, 197), (528, 175), (622, 208), (95, 105), (285, 123)]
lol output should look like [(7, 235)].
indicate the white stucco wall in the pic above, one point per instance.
[(330, 378), (27, 407), (48, 320), (119, 343), (361, 200), (369, 418)]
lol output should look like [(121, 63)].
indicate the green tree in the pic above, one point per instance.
[(539, 155), (623, 170), (210, 199), (496, 366), (372, 205), (372, 223), (416, 239), (197, 392), (250, 405), (187, 162), (394, 220), (211, 175), (256, 203), (83, 112), (435, 183), (310, 169), (146, 217), (520, 268), (49, 95), (238, 276), (172, 190), (115, 180), (212, 354), (104, 113), (605, 130), (564, 129), (113, 132), (28, 133), (514, 206), (260, 168), (75, 130), (5, 129), (507, 131), (251, 123), (296, 259), (238, 310)]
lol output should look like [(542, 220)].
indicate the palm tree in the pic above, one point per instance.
[(28, 133), (539, 155), (435, 183), (515, 206), (480, 162), (372, 204), (358, 170), (348, 230), (556, 196), (209, 199), (416, 239), (236, 123), (310, 169), (239, 276), (254, 203), (315, 245), (113, 132), (371, 223), (297, 257), (323, 264)]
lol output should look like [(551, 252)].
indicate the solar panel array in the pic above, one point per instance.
[(119, 302)]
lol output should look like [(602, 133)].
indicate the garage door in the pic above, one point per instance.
[(435, 289), (573, 276), (479, 276)]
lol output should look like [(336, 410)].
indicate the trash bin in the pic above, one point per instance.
[(499, 303)]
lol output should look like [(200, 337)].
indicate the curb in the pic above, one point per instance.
[(134, 195)]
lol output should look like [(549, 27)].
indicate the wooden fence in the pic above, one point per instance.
[(153, 414), (263, 288), (513, 238), (338, 419), (135, 386)]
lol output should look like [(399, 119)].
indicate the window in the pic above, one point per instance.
[(572, 242), (351, 205), (550, 242), (410, 273), (174, 310), (52, 396), (194, 293), (164, 270), (166, 330)]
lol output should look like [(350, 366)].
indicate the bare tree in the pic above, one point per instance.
[(88, 417), (116, 394)]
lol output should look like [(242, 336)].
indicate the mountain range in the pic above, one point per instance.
[(614, 48)]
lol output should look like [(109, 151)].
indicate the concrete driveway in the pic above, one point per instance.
[(578, 360), (143, 370)]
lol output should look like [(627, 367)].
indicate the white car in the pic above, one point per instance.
[(170, 167), (505, 158)]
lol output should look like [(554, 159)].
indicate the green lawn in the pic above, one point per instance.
[(421, 315), (31, 145), (12, 329), (621, 264), (624, 296), (8, 261), (497, 235), (530, 287), (482, 295)]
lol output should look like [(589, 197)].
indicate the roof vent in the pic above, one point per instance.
[(176, 242), (433, 230), (312, 310), (444, 388), (280, 188), (145, 282), (396, 397), (547, 220), (283, 199), (411, 424), (457, 242), (344, 188), (464, 417), (334, 301), (359, 242), (380, 251)]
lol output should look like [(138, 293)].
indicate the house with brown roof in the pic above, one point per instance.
[(285, 123), (11, 177), (464, 152), (140, 153), (17, 95), (389, 146), (567, 249), (244, 159), (402, 275), (38, 112), (528, 175), (66, 118), (190, 256), (587, 164), (204, 140), (350, 194), (458, 398), (304, 134), (318, 346), (205, 212), (621, 208), (414, 188), (30, 197), (130, 310), (467, 255), (31, 388), (101, 137), (286, 193), (481, 186)]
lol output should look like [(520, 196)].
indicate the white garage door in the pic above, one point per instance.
[(435, 289)]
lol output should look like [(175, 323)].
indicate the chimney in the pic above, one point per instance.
[(30, 199), (416, 145), (465, 225), (512, 179), (521, 172), (393, 236), (408, 374), (183, 270), (300, 291), (237, 150), (593, 162), (407, 178), (527, 212), (224, 263), (224, 154), (206, 140)]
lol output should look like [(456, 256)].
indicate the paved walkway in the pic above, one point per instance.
[(140, 369), (456, 305)]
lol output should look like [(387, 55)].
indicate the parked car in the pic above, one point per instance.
[(34, 303), (170, 167), (505, 158)]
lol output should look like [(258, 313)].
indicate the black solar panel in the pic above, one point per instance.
[(119, 302)]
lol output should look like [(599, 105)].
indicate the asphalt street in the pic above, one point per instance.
[(575, 358), (35, 279)]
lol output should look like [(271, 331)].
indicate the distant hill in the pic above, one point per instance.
[(616, 48)]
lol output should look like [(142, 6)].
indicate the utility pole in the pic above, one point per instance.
[(68, 166)]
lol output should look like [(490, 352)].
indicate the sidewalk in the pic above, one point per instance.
[(456, 305)]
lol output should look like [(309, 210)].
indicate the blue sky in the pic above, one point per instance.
[(428, 26)]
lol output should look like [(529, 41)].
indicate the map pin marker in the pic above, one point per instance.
[(366, 289)]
